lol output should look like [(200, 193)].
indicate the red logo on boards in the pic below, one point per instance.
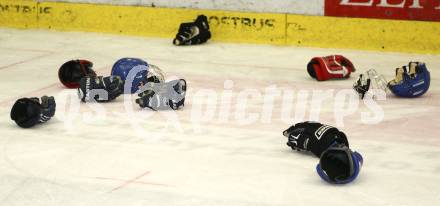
[(423, 10)]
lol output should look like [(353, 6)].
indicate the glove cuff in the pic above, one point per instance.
[(71, 72), (355, 164), (26, 112)]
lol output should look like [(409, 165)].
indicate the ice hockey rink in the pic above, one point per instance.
[(117, 154)]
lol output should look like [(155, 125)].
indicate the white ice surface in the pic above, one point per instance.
[(79, 158)]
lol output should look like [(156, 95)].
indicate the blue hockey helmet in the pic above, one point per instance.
[(133, 71), (410, 81), (339, 165)]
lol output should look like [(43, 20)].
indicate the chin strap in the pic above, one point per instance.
[(357, 164)]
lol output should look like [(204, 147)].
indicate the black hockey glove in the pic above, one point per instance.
[(100, 89), (196, 32), (314, 137), (162, 96), (27, 112)]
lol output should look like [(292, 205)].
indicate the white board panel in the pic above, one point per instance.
[(308, 7)]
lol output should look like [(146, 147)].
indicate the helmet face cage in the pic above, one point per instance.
[(362, 85), (154, 72), (370, 83), (378, 80)]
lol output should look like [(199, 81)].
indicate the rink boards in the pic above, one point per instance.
[(227, 26)]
